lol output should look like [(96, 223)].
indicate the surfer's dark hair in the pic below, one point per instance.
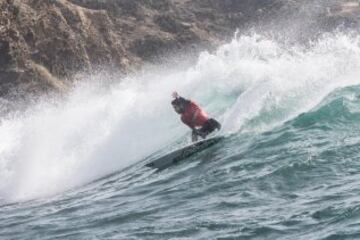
[(179, 101)]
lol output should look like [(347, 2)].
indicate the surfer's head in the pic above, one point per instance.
[(179, 104)]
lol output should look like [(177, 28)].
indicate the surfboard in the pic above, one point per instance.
[(182, 153)]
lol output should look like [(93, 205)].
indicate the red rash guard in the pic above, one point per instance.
[(194, 116)]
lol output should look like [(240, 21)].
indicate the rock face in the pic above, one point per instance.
[(43, 43)]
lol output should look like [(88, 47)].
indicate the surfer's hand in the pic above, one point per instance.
[(175, 94)]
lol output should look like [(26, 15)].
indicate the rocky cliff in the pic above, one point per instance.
[(43, 43)]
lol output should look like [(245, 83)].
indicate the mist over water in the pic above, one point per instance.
[(251, 84)]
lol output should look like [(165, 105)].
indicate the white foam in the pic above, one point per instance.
[(251, 84)]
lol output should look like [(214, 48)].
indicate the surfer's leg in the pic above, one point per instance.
[(214, 124), (194, 135), (206, 129), (211, 125)]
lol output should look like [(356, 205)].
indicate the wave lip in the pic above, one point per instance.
[(251, 84)]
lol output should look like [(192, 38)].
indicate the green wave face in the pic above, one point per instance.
[(287, 166), (253, 84)]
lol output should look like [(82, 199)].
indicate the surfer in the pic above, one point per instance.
[(195, 117)]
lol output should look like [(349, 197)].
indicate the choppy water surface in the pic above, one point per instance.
[(289, 167)]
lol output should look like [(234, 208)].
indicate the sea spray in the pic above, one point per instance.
[(251, 84)]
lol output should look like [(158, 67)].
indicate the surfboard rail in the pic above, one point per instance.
[(182, 153)]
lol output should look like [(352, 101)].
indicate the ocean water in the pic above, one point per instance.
[(288, 168)]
